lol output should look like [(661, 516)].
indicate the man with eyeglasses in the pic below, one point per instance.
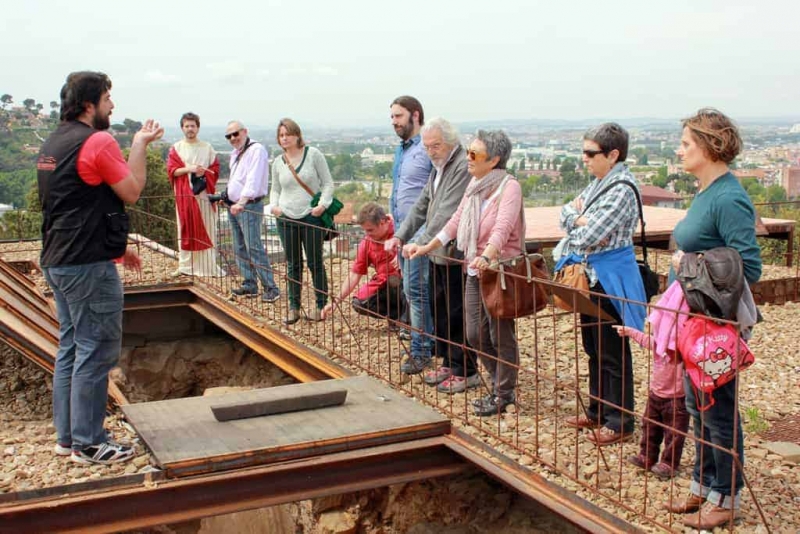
[(438, 202), (412, 167), (247, 186)]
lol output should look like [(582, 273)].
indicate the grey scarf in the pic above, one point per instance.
[(468, 227)]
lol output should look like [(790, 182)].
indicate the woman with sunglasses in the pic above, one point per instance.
[(601, 237), (721, 215), (299, 174), (488, 227)]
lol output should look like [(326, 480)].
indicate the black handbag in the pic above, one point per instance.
[(199, 183), (649, 278)]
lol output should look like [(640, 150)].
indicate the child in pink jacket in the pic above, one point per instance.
[(665, 416)]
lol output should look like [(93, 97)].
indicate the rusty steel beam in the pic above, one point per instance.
[(172, 501), (568, 505), (295, 359)]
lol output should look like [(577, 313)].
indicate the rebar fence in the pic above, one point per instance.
[(575, 400)]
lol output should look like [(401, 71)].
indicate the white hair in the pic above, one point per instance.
[(449, 132)]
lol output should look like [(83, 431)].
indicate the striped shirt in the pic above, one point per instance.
[(611, 219)]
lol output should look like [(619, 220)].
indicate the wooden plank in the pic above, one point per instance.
[(184, 436), (275, 402)]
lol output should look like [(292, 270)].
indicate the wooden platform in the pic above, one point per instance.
[(186, 439)]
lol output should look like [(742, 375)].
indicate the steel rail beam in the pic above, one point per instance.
[(568, 505), (295, 359), (177, 500), (299, 361)]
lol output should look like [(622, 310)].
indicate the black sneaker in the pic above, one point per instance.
[(105, 454), (245, 291), (413, 365), (492, 406), (483, 400), (271, 296)]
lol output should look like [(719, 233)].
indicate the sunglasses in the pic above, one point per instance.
[(477, 156), (592, 153), (232, 135)]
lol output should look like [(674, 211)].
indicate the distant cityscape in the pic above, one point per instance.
[(546, 157)]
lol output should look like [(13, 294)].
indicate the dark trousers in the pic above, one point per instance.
[(610, 368), (494, 339), (446, 286), (389, 301), (300, 235), (672, 413)]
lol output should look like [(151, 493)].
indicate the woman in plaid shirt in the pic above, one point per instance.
[(602, 237)]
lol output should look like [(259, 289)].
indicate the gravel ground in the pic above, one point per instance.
[(551, 363)]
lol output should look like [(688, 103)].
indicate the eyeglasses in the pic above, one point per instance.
[(232, 135), (477, 156), (592, 153)]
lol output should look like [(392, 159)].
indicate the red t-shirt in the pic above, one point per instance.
[(100, 160), (371, 254)]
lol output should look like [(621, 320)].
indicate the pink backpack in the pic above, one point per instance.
[(712, 354)]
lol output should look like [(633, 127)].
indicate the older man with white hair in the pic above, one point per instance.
[(247, 186), (436, 204)]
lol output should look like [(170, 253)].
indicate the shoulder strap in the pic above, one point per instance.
[(638, 204), (296, 177), (521, 212)]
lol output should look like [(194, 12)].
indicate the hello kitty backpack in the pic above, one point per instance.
[(713, 354)]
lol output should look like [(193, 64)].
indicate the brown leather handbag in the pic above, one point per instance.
[(573, 275), (510, 290)]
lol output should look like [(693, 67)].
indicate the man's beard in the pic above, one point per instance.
[(101, 123), (405, 131)]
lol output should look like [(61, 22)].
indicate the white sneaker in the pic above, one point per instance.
[(106, 453), (60, 450)]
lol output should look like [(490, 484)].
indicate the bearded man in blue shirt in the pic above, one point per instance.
[(412, 167)]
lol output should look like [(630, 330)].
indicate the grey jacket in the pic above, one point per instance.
[(435, 210)]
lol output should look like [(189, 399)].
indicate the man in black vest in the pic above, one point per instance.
[(83, 184)]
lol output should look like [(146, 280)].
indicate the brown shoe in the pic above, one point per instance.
[(688, 505), (662, 471), (606, 436), (709, 517), (581, 421)]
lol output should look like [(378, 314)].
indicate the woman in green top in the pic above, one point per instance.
[(297, 176), (721, 215)]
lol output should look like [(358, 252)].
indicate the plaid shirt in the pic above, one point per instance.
[(611, 219)]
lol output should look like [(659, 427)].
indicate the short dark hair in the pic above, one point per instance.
[(189, 116), (292, 128), (371, 212), (610, 136), (716, 134), (82, 88), (412, 105)]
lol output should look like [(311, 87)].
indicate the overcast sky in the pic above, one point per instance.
[(341, 62)]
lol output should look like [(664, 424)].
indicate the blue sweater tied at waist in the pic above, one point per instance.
[(618, 273)]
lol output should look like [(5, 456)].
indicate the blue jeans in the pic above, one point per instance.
[(89, 308), (415, 285), (246, 229), (715, 471)]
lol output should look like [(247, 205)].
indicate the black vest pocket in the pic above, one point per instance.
[(117, 226)]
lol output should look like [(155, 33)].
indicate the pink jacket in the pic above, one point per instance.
[(500, 225)]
